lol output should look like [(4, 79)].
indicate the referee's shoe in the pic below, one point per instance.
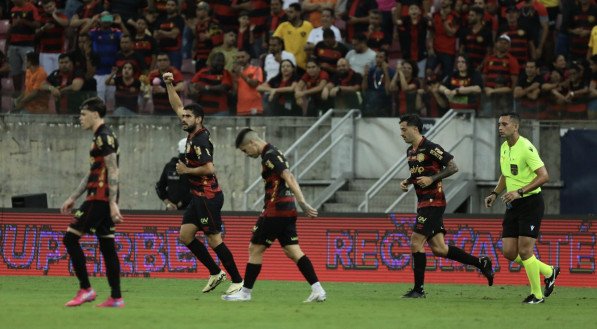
[(550, 282), (531, 299), (487, 269)]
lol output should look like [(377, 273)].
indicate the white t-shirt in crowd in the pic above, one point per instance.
[(272, 67), (316, 35), (358, 61)]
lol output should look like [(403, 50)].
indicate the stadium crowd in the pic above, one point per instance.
[(290, 57)]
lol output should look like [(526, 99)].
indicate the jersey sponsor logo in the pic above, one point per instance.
[(532, 227), (437, 153), (79, 213), (269, 164), (294, 238), (204, 220), (421, 219), (514, 169), (416, 170)]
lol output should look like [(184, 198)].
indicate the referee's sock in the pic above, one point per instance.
[(77, 258), (199, 250), (227, 260), (108, 250), (532, 269), (306, 267), (463, 257), (420, 262), (251, 274), (546, 270)]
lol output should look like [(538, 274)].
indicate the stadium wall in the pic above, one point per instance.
[(342, 249)]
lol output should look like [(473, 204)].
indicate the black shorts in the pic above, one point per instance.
[(205, 213), (93, 217), (430, 221), (268, 229), (524, 218)]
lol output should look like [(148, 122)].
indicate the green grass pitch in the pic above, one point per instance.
[(37, 303)]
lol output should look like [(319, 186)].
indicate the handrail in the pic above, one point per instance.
[(403, 195), (387, 176), (304, 156)]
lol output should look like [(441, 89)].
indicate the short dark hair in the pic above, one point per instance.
[(33, 58), (412, 120), (65, 55), (513, 115), (360, 37), (296, 6), (196, 109), (328, 33), (94, 104), (241, 136)]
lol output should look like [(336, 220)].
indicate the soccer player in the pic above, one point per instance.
[(523, 174), (204, 211), (99, 213), (429, 164), (278, 218)]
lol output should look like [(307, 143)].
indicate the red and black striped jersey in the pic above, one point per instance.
[(476, 43), (224, 14), (198, 152), (519, 44), (279, 200), (208, 35), (51, 40), (584, 20), (330, 54), (21, 34), (213, 101), (427, 159), (104, 144), (498, 71), (413, 38), (359, 9), (168, 24), (146, 46)]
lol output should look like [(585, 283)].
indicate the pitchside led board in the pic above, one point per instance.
[(361, 249)]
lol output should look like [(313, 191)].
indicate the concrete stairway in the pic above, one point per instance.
[(348, 199)]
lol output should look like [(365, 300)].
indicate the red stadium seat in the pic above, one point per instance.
[(4, 25)]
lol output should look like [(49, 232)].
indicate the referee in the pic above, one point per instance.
[(523, 173)]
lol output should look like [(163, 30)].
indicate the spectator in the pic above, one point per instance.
[(554, 91), (592, 43), (314, 10), (500, 76), (576, 99), (376, 86), (378, 38), (85, 61), (126, 9), (51, 35), (34, 99), (592, 105), (361, 56), (522, 46), (405, 85), (275, 57), (211, 85), (127, 54), (329, 51), (225, 15), (64, 84), (280, 91), (161, 104), (357, 18), (207, 34), (294, 32), (310, 87), (582, 20), (533, 17), (144, 44), (246, 38), (246, 79), (174, 189), (128, 87), (412, 33), (228, 49), (85, 13), (527, 91), (444, 29), (105, 41), (277, 16), (24, 19), (476, 39), (327, 19), (169, 33), (345, 87)]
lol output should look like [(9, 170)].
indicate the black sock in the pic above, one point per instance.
[(199, 250), (108, 249), (251, 274), (462, 256), (77, 258), (306, 267), (227, 260), (420, 262)]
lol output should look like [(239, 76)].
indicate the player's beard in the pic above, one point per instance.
[(189, 128)]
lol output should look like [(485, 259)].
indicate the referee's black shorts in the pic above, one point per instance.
[(524, 218)]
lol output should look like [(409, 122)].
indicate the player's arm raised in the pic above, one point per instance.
[(294, 186), (173, 97)]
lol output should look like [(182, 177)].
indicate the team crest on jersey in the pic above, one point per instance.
[(420, 157), (269, 164), (99, 142), (197, 150)]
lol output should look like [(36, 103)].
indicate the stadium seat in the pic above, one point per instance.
[(4, 26), (7, 86)]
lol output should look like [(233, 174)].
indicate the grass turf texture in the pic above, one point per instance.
[(37, 302)]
